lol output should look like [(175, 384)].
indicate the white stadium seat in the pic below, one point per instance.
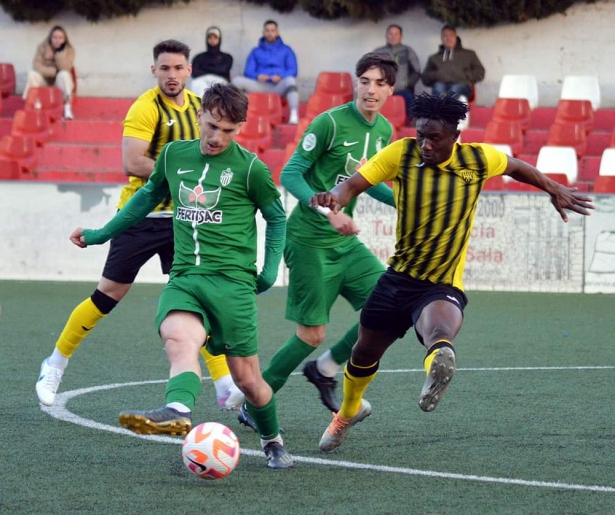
[(559, 160), (520, 86), (607, 162), (582, 87)]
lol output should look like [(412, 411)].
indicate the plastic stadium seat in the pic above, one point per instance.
[(320, 102), (255, 134), (589, 167), (303, 124), (502, 148), (268, 105), (507, 133), (561, 178), (9, 169), (575, 111), (7, 79), (520, 86), (21, 149), (48, 100), (394, 110), (604, 184), (612, 143), (496, 183), (335, 83), (568, 135), (32, 123), (607, 162), (406, 132), (513, 110), (274, 159), (582, 87), (559, 160)]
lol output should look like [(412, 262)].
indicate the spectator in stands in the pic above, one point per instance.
[(52, 66), (272, 67), (211, 66), (453, 68), (409, 69)]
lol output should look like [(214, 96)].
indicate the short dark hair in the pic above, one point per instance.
[(445, 108), (228, 100), (378, 60), (448, 27), (172, 46), (270, 22), (395, 26)]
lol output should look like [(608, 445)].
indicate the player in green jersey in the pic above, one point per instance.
[(216, 187), (325, 257), (436, 182)]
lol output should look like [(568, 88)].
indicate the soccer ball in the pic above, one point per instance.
[(211, 450)]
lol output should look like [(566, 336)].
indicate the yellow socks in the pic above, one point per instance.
[(356, 381), (215, 364), (81, 321)]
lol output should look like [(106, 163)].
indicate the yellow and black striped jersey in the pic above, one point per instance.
[(436, 205), (154, 119)]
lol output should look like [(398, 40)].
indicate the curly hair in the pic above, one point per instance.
[(445, 108)]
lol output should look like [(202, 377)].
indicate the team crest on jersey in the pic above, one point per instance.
[(198, 205), (379, 144), (309, 142), (467, 175), (226, 177), (352, 164)]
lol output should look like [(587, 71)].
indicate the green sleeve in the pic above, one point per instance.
[(137, 208), (382, 193), (275, 235), (293, 177)]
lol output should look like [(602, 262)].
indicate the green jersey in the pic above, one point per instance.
[(338, 142), (215, 199)]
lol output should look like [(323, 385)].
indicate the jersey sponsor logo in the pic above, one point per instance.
[(198, 205), (452, 298), (309, 142), (180, 171), (170, 122), (199, 216), (352, 164), (340, 179), (226, 177), (350, 143)]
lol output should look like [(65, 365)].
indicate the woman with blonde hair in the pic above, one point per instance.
[(52, 66)]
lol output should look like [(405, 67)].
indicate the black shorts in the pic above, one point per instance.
[(134, 247), (397, 301)]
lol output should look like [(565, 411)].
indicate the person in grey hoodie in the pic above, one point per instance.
[(409, 69), (453, 68)]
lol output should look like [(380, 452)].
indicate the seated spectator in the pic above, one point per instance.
[(52, 66), (211, 66), (409, 69), (272, 68), (453, 68)]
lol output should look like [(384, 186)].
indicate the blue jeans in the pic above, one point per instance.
[(439, 88)]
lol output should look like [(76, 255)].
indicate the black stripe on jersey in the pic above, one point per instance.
[(153, 145), (195, 105), (173, 129)]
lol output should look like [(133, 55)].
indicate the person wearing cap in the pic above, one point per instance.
[(271, 67), (211, 66)]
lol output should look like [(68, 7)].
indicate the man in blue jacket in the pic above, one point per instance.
[(272, 68)]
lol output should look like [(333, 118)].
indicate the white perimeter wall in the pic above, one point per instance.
[(113, 57)]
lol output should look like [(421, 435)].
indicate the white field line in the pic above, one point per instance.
[(60, 412)]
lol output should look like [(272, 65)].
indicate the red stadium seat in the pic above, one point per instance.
[(394, 110), (604, 184), (560, 178), (7, 79), (513, 110), (612, 143), (320, 102), (255, 134), (568, 135), (496, 183), (268, 105), (48, 100), (32, 123), (9, 169), (303, 124), (575, 111), (21, 149), (335, 83), (507, 133)]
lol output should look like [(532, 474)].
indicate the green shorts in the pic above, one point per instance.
[(227, 305), (318, 275)]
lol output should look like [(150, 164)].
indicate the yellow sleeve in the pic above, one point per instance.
[(496, 160), (383, 166), (141, 120)]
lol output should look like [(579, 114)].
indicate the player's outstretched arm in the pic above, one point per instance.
[(137, 208), (343, 193), (275, 235), (562, 198)]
